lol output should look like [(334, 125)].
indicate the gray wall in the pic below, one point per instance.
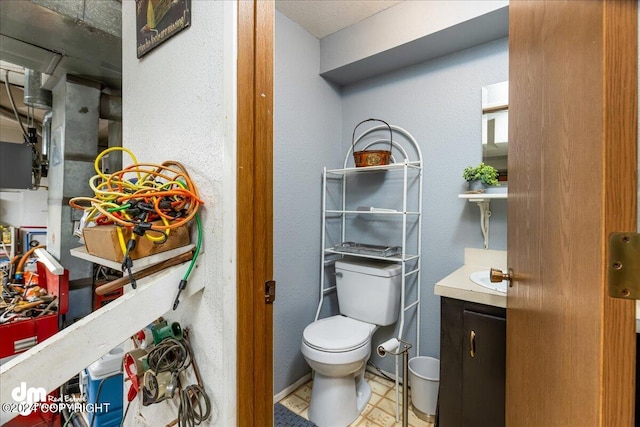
[(307, 126), (439, 102)]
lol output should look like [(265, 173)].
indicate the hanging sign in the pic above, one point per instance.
[(159, 20)]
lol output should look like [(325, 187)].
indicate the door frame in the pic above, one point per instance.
[(254, 368)]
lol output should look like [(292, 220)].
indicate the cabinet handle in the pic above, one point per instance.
[(472, 343)]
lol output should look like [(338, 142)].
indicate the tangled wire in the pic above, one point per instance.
[(148, 199), (153, 197)]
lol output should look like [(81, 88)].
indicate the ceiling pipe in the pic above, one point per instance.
[(34, 95), (111, 107)]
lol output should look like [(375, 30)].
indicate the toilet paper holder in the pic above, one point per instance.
[(397, 347)]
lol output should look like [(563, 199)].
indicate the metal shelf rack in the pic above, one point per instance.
[(406, 162)]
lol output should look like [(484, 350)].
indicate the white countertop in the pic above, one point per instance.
[(458, 285)]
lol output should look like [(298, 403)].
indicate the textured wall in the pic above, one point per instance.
[(307, 124), (179, 104)]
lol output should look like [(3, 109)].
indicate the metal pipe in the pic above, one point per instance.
[(34, 95), (405, 381), (13, 103), (110, 107), (46, 133), (391, 347)]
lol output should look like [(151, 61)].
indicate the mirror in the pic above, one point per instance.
[(495, 126)]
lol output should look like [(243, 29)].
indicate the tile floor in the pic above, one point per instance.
[(379, 412)]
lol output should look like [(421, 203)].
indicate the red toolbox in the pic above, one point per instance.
[(21, 335)]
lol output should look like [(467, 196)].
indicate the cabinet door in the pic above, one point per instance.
[(483, 370), (451, 349)]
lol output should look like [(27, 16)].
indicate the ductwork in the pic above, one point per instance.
[(34, 95), (80, 37), (74, 146), (111, 107)]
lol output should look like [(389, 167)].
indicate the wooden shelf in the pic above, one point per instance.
[(138, 264)]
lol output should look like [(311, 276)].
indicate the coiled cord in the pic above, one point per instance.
[(175, 356), (170, 355), (195, 406)]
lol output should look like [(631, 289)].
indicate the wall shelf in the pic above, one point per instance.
[(483, 200), (475, 197), (138, 264)]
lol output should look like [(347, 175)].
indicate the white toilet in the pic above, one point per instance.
[(337, 348)]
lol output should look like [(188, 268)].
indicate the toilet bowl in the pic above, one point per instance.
[(337, 349)]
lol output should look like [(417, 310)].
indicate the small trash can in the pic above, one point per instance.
[(424, 379)]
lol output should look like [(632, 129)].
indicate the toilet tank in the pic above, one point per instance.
[(369, 290)]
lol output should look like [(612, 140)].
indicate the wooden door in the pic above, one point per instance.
[(255, 213), (572, 181)]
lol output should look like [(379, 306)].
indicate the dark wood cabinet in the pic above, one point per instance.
[(472, 364)]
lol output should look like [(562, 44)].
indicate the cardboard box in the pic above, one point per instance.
[(102, 241)]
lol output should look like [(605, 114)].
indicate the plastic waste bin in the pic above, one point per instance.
[(424, 379)]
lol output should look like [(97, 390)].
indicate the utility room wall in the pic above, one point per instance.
[(179, 103)]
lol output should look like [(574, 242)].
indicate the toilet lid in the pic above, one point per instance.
[(337, 333)]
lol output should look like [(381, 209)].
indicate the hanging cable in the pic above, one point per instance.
[(170, 355), (185, 278), (195, 406), (167, 366)]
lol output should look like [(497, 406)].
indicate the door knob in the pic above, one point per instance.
[(496, 276)]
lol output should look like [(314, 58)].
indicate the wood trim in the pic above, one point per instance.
[(620, 44), (255, 213), (263, 214)]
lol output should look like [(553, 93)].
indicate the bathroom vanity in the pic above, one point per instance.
[(472, 345)]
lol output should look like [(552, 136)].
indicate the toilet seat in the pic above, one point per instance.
[(337, 334)]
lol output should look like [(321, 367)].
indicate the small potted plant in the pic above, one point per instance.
[(480, 177)]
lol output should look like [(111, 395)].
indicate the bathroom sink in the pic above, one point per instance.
[(482, 278)]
